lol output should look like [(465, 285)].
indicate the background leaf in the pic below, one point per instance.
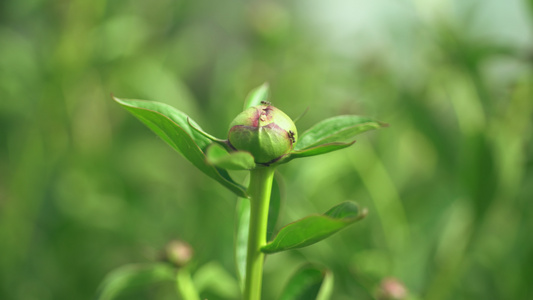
[(213, 278), (257, 95), (237, 160), (172, 126), (242, 225), (312, 229), (337, 130), (309, 282), (461, 112), (132, 277)]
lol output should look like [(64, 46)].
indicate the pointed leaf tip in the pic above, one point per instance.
[(257, 95), (340, 129), (312, 229), (332, 134)]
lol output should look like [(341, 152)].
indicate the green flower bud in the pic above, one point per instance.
[(264, 131)]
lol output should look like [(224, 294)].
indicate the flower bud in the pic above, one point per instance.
[(178, 253), (264, 131), (392, 289)]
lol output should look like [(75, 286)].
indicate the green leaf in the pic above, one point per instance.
[(332, 134), (134, 277), (241, 237), (173, 127), (243, 223), (313, 229), (238, 160), (310, 282), (322, 149), (257, 95), (274, 207), (214, 278), (205, 134)]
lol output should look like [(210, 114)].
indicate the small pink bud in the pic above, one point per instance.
[(178, 252), (392, 289)]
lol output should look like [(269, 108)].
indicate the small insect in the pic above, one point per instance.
[(291, 136), (265, 102)]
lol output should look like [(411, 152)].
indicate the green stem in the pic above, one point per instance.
[(185, 286), (259, 191)]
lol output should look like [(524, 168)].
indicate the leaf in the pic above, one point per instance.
[(173, 127), (313, 229), (241, 237), (310, 282), (133, 277), (333, 134), (274, 207), (322, 149), (214, 278), (205, 134), (257, 95), (238, 160), (243, 223)]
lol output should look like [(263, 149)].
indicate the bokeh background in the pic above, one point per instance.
[(85, 187)]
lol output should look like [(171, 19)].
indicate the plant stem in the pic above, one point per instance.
[(184, 285), (259, 191)]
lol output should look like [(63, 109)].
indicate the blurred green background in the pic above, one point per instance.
[(85, 187)]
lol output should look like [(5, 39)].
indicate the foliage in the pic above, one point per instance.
[(85, 188), (207, 154)]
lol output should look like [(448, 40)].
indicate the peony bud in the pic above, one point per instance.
[(264, 131), (178, 252), (392, 289)]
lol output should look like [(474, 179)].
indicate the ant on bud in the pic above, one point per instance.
[(291, 136)]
